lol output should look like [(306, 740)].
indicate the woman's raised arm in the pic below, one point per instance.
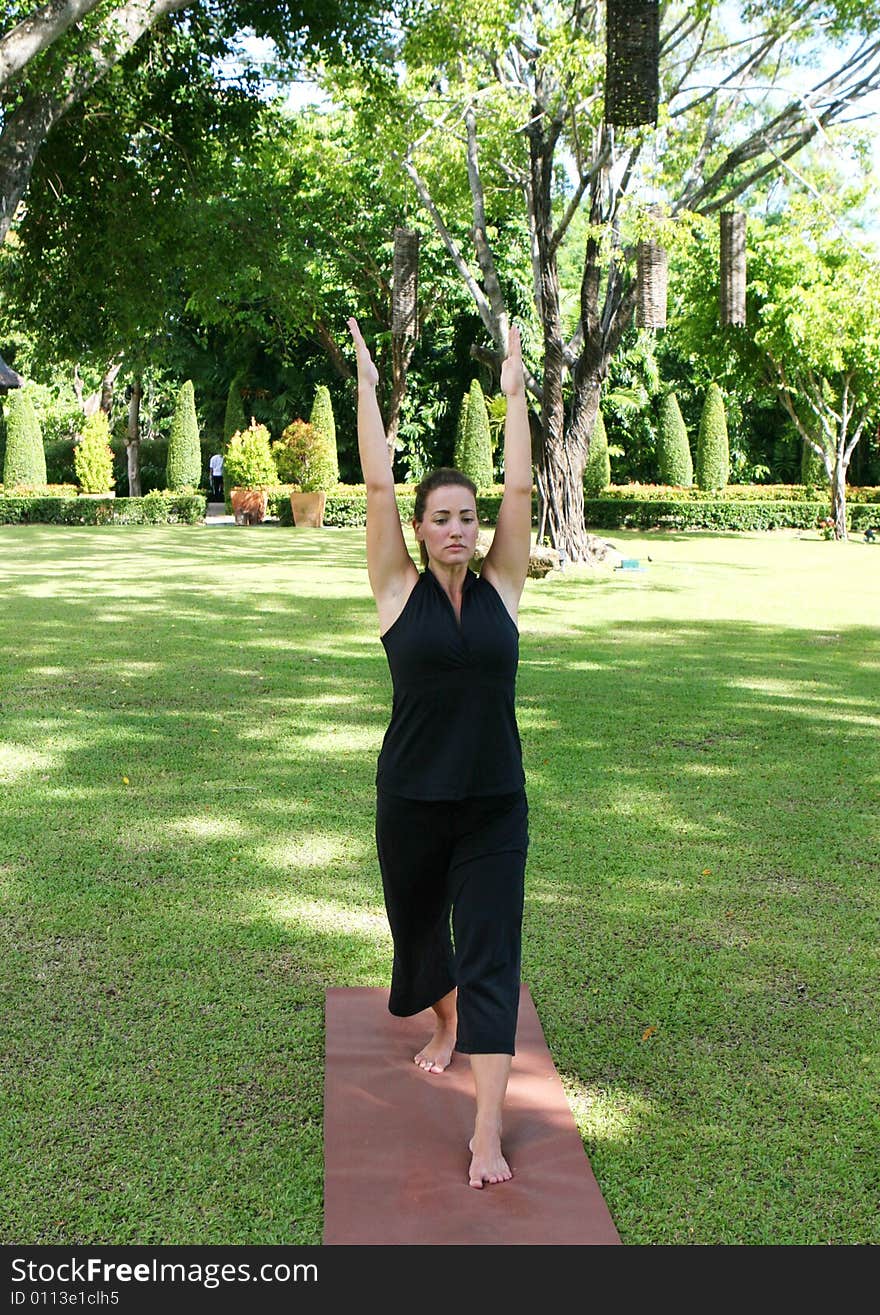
[(507, 562), (390, 567)]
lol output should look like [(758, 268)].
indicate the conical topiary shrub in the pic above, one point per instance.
[(674, 462), (713, 452), (25, 460), (475, 456), (460, 427), (597, 471), (235, 419), (184, 466), (93, 456), (323, 421), (813, 472)]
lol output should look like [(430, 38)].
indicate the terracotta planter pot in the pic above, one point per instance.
[(308, 509), (249, 505)]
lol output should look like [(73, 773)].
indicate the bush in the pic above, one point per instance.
[(323, 420), (460, 427), (473, 457), (154, 509), (184, 469), (235, 420), (25, 460), (713, 451), (248, 463), (304, 457), (711, 514), (813, 472), (93, 457), (597, 471), (675, 465)]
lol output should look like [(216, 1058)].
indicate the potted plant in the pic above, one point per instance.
[(93, 458), (250, 470), (305, 457)]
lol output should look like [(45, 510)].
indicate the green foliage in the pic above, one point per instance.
[(25, 459), (184, 469), (460, 431), (714, 514), (674, 462), (304, 457), (93, 457), (474, 456), (323, 421), (248, 462), (713, 454), (813, 472), (235, 419), (155, 508), (597, 471), (347, 505)]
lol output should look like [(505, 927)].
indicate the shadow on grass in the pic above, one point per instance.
[(700, 931)]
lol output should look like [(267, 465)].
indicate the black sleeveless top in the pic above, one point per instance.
[(453, 731)]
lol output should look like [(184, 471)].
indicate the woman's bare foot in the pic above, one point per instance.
[(437, 1054), (488, 1165)]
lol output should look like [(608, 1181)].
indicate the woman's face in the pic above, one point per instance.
[(449, 528)]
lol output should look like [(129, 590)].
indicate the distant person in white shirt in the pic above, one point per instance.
[(216, 466)]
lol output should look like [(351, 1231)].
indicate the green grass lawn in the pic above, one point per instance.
[(189, 722)]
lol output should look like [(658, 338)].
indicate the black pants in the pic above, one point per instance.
[(468, 858), (217, 486)]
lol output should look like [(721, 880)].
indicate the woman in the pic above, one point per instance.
[(451, 817)]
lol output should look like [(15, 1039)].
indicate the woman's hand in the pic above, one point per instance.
[(368, 375), (512, 378)]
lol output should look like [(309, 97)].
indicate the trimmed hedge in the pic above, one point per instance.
[(736, 492), (619, 508), (347, 505), (154, 509), (717, 514)]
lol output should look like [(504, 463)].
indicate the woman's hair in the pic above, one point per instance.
[(438, 479)]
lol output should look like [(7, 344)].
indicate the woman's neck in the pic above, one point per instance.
[(452, 578)]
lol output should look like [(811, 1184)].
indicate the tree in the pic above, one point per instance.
[(597, 471), (818, 334), (674, 462), (53, 57), (474, 456), (713, 452), (525, 82), (184, 470), (25, 460), (301, 235)]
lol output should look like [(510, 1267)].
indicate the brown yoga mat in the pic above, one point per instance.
[(395, 1140)]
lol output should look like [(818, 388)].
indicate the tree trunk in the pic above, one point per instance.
[(563, 455), (401, 355), (21, 138), (133, 438), (838, 497)]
